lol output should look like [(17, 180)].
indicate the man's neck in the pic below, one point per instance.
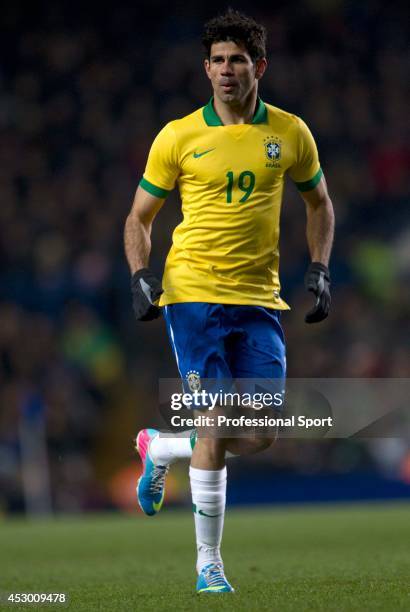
[(238, 114)]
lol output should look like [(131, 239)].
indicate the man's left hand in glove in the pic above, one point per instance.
[(317, 280)]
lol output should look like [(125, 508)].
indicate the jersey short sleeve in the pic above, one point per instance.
[(162, 167), (306, 171)]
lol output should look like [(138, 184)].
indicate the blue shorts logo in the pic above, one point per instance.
[(194, 380)]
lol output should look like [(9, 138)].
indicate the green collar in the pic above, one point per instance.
[(211, 118)]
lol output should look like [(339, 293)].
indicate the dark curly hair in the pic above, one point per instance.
[(238, 28)]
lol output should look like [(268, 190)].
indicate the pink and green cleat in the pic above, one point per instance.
[(151, 485)]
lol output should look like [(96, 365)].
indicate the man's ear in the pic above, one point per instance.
[(207, 67), (260, 67)]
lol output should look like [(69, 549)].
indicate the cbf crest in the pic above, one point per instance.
[(194, 380), (273, 149)]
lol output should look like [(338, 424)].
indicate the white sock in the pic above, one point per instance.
[(208, 489), (165, 450)]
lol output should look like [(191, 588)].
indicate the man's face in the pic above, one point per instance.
[(232, 73)]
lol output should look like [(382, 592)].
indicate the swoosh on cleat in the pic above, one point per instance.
[(214, 590)]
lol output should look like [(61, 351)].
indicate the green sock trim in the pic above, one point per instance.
[(193, 438)]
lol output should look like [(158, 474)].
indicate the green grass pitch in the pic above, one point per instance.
[(305, 558)]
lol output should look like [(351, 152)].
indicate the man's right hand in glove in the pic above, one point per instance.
[(146, 290)]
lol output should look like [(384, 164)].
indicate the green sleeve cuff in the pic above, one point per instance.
[(311, 184), (153, 189)]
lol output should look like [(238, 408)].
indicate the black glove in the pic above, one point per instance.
[(317, 280), (146, 290)]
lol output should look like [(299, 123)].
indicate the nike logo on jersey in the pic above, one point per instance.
[(196, 155)]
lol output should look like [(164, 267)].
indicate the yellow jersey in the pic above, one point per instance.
[(230, 179)]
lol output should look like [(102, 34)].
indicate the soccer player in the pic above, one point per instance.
[(220, 292)]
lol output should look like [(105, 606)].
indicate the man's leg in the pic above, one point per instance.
[(165, 450), (159, 452), (205, 354), (208, 486)]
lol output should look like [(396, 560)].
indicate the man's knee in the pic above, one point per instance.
[(266, 443), (260, 444), (248, 446)]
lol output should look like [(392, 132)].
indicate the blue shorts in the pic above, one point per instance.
[(220, 341)]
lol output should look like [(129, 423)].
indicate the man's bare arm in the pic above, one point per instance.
[(319, 233), (145, 287), (137, 232), (320, 222)]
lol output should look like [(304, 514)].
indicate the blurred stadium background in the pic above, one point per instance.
[(83, 91)]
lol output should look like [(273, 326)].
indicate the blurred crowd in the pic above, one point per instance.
[(82, 96)]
